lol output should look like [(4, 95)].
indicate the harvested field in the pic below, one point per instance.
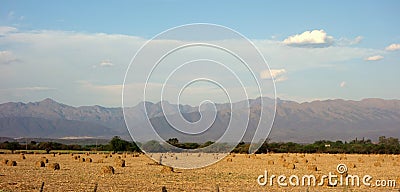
[(233, 173)]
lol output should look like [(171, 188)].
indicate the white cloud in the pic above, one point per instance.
[(315, 38), (7, 57), (342, 84), (106, 63), (27, 89), (374, 58), (59, 58), (6, 29), (35, 89), (356, 40), (277, 74), (393, 47)]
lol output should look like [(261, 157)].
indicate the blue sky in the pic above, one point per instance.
[(355, 62)]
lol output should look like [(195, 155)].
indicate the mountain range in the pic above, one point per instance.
[(298, 122)]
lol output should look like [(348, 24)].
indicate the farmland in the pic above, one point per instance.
[(237, 172)]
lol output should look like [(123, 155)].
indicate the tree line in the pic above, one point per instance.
[(383, 146), (116, 144)]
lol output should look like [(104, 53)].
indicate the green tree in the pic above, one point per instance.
[(153, 147), (12, 146), (173, 141), (47, 146), (117, 144)]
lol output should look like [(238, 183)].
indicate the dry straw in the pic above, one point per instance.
[(44, 159), (12, 163), (40, 164), (312, 167), (120, 163), (107, 170), (54, 166), (167, 169), (4, 161)]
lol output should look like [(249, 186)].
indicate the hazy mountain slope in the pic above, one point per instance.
[(300, 122)]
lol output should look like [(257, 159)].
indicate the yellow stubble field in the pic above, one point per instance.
[(236, 172)]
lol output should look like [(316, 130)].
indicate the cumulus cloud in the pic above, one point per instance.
[(277, 74), (342, 84), (393, 47), (7, 57), (374, 58), (315, 38)]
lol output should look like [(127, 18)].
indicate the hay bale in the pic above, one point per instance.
[(295, 160), (229, 159), (135, 155), (291, 166), (44, 159), (4, 161), (107, 170), (89, 160), (23, 156), (82, 159), (304, 161), (54, 166), (253, 156), (167, 169), (40, 164), (72, 154), (12, 163), (351, 165), (270, 162), (120, 163), (100, 161), (312, 168), (75, 157)]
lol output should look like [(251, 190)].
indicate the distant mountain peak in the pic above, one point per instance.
[(48, 101)]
